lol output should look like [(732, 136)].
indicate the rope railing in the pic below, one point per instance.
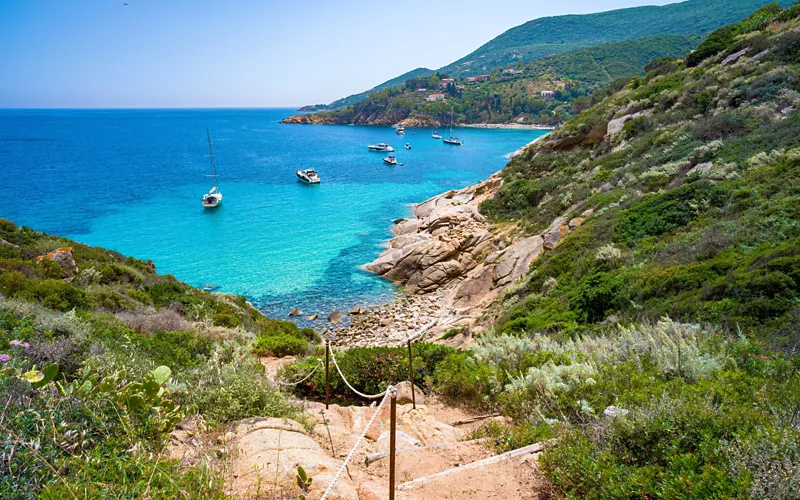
[(389, 393), (319, 363), (374, 396)]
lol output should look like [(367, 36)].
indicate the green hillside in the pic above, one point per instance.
[(505, 97), (551, 35), (100, 358), (350, 100)]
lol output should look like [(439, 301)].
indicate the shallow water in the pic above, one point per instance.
[(131, 180)]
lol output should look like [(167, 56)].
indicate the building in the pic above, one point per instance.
[(447, 81), (548, 94), (435, 97), (479, 78), (422, 90), (512, 71)]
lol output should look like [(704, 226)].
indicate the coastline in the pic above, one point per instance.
[(521, 150), (506, 126)]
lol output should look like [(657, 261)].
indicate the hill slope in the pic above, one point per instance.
[(551, 35), (350, 100), (509, 97)]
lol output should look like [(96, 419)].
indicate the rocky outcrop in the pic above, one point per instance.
[(448, 251), (420, 121), (616, 125), (269, 450), (315, 119), (594, 136), (63, 257)]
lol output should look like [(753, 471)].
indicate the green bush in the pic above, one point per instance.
[(369, 369), (461, 378), (54, 294), (226, 320), (109, 299), (280, 345), (596, 296)]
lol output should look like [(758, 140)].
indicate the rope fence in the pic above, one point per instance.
[(389, 393), (319, 363)]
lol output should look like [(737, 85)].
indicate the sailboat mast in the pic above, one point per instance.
[(211, 158)]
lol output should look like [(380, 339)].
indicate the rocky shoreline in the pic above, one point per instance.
[(505, 126)]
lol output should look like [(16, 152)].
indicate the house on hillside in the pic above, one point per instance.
[(548, 94), (512, 71), (422, 90), (447, 81), (479, 78), (435, 97)]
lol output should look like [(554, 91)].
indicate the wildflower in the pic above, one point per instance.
[(26, 345), (4, 357), (15, 342)]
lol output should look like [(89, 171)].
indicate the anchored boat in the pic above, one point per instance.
[(381, 146), (455, 141), (213, 198), (390, 160)]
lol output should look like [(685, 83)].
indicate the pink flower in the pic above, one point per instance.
[(26, 345), (4, 357), (15, 342)]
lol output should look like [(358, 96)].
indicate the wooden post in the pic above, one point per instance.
[(392, 442), (411, 376), (327, 383)]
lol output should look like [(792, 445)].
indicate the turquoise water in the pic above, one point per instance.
[(131, 180)]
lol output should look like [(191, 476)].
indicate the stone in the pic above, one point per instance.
[(312, 317), (555, 233), (614, 412), (576, 222), (761, 54), (404, 393), (335, 316), (273, 448), (386, 322), (735, 56), (587, 213), (402, 440), (473, 289), (63, 257), (355, 310), (295, 312), (616, 125), (434, 276), (518, 258), (702, 168), (8, 244)]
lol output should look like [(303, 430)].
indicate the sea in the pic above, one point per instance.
[(131, 180)]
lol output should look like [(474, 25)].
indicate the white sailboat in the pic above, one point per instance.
[(213, 198), (455, 141), (435, 134)]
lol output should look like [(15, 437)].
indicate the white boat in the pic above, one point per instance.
[(213, 198), (408, 146), (400, 130), (390, 160), (309, 176), (455, 141), (436, 134), (381, 146)]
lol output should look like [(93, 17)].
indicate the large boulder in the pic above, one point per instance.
[(555, 233), (266, 450), (473, 289), (430, 278), (516, 259), (404, 393), (63, 257)]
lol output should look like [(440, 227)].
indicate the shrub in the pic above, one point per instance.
[(596, 296), (280, 345), (150, 322), (109, 299), (226, 320), (461, 378), (720, 126), (236, 390), (54, 294)]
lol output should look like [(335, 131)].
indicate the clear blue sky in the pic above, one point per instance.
[(258, 53)]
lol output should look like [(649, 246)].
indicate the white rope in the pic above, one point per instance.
[(389, 392), (376, 396), (319, 363)]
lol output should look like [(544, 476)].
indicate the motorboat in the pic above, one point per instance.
[(400, 130), (408, 146), (308, 176), (213, 198), (390, 160), (381, 146)]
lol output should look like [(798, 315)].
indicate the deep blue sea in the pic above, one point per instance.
[(131, 180)]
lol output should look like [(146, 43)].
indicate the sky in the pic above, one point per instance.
[(239, 53)]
